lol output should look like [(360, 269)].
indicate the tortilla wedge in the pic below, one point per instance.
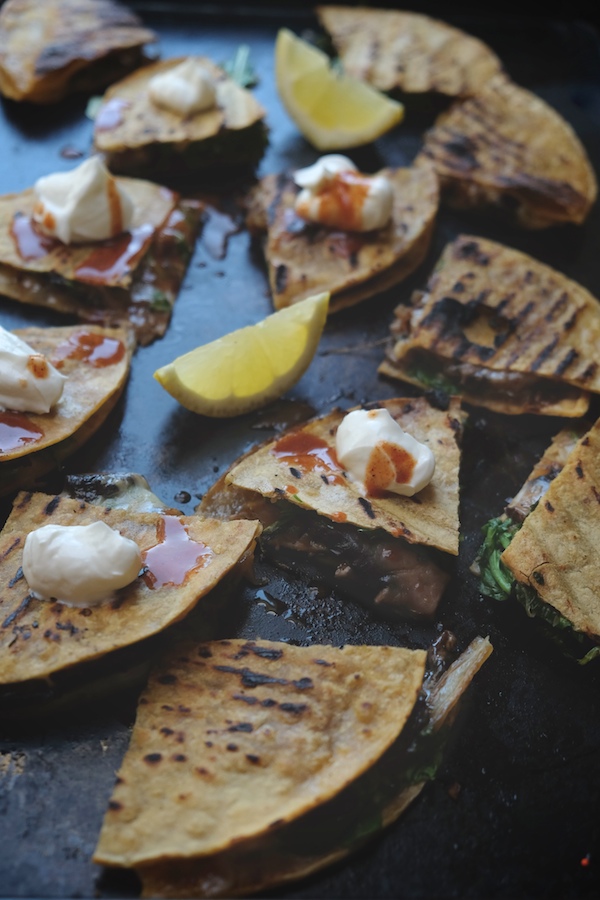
[(504, 147), (502, 330), (139, 138), (39, 638), (543, 550), (131, 279), (381, 551), (407, 51), (255, 762), (32, 444), (304, 259), (51, 49)]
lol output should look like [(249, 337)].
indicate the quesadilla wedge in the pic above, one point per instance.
[(254, 762), (133, 278), (506, 148), (138, 137), (407, 51), (388, 552), (542, 551), (184, 558), (305, 258), (54, 48), (96, 364), (502, 330)]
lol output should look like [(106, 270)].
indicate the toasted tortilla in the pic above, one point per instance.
[(133, 278), (430, 519), (234, 739), (407, 51), (88, 387), (40, 637), (264, 762), (137, 136), (504, 315), (304, 259), (505, 147), (556, 549), (50, 49)]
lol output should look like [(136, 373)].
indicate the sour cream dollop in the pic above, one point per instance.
[(80, 565), (28, 382), (379, 455), (85, 204), (185, 89), (336, 195)]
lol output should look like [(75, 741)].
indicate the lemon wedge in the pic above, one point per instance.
[(333, 111), (246, 369)]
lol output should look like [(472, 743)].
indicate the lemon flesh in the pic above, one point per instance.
[(248, 368), (333, 111)]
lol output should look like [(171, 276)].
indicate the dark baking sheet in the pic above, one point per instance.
[(514, 810)]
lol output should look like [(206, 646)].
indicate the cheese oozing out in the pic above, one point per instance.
[(336, 195), (79, 565), (85, 204), (185, 89), (28, 382), (379, 455)]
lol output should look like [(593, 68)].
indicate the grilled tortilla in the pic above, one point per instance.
[(506, 148), (502, 330), (142, 139), (51, 49), (254, 762), (31, 444), (133, 278), (398, 50), (543, 551), (318, 522), (304, 258), (39, 638)]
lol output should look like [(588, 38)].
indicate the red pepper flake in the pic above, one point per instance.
[(585, 861)]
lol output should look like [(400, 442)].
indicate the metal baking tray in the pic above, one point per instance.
[(514, 809)]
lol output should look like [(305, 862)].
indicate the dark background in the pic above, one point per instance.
[(514, 810)]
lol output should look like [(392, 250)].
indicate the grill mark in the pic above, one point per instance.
[(263, 652), (590, 372), (544, 354), (557, 307), (255, 679), (568, 360), (16, 578), (367, 507), (296, 709), (10, 549), (14, 615), (52, 506)]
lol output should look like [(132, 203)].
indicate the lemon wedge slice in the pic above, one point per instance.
[(246, 369), (333, 111)]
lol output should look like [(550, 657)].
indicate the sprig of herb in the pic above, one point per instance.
[(240, 69)]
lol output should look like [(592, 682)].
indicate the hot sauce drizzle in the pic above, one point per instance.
[(342, 200), (388, 462), (16, 430), (310, 453), (96, 349), (112, 259), (175, 556), (29, 243)]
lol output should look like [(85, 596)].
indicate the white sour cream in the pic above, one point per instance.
[(28, 382), (185, 89), (80, 565), (336, 195), (85, 204), (380, 456)]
